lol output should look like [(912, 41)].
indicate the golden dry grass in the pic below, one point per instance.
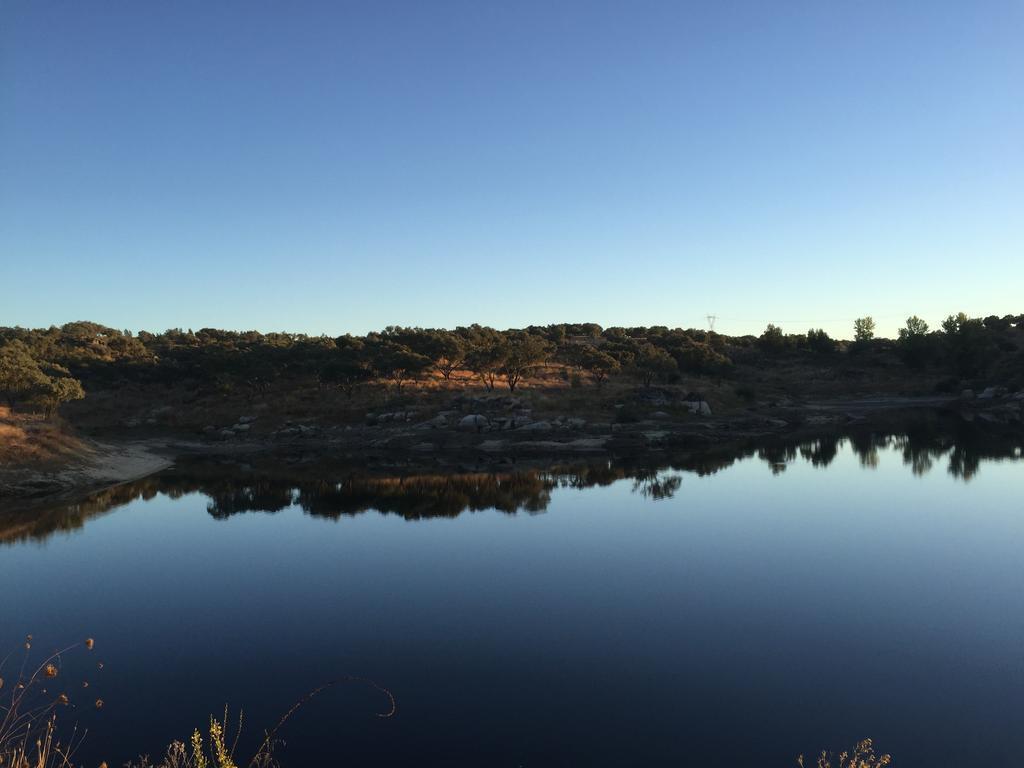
[(31, 440)]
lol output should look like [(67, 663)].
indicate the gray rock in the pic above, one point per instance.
[(576, 423), (987, 394), (660, 415), (242, 427), (474, 422), (226, 434), (246, 419), (589, 444), (967, 394), (699, 407), (536, 426)]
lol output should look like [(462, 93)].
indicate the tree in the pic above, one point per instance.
[(20, 375), (598, 365), (969, 344), (485, 355), (347, 367), (915, 328), (863, 329), (819, 341), (57, 391), (994, 323), (772, 340), (448, 351), (652, 363), (396, 362), (914, 345), (523, 353), (22, 379)]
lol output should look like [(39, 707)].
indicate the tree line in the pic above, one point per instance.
[(42, 368)]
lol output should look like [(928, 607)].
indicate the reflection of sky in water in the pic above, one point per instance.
[(752, 615)]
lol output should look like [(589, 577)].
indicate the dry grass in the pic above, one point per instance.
[(862, 756), (211, 750), (30, 696), (32, 693), (30, 440)]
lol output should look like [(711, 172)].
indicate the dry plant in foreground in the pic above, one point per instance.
[(29, 699), (212, 751), (863, 756)]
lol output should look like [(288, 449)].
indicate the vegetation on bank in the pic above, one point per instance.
[(42, 368)]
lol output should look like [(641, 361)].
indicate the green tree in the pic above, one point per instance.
[(523, 353), (396, 362), (773, 339), (448, 351), (57, 391), (652, 363), (347, 366), (597, 364), (969, 344), (819, 341), (914, 345), (915, 328), (485, 355), (863, 329), (20, 375)]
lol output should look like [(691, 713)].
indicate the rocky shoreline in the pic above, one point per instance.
[(493, 433)]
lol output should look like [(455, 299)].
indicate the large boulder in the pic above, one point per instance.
[(474, 422), (699, 407)]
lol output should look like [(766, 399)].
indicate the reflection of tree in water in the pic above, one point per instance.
[(965, 447), (422, 496), (822, 451), (259, 496), (777, 456), (654, 485), (334, 492), (866, 445)]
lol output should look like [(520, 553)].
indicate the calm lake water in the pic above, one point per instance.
[(735, 610)]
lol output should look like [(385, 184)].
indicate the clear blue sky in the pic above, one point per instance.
[(331, 167)]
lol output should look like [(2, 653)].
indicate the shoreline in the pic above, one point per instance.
[(429, 446)]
